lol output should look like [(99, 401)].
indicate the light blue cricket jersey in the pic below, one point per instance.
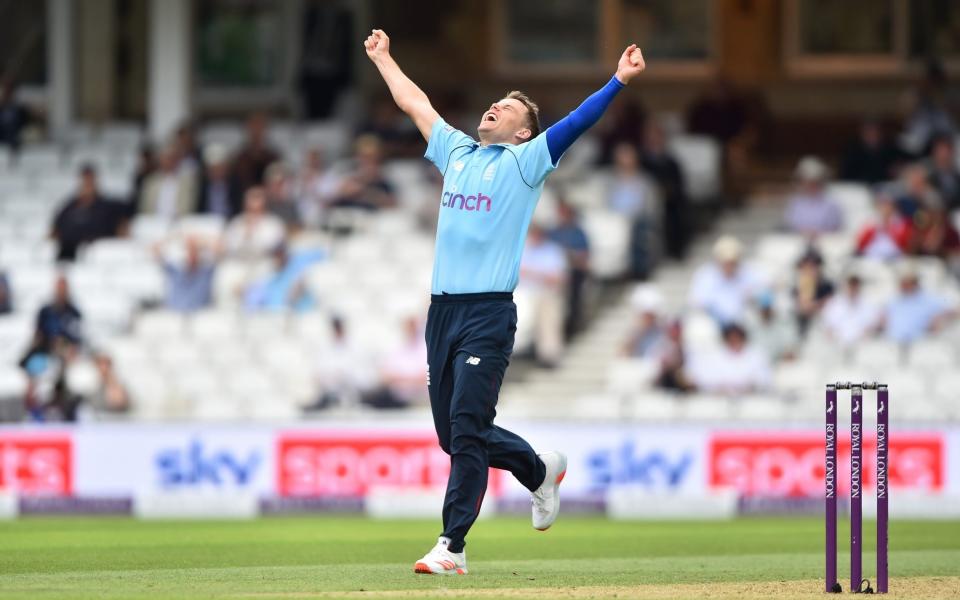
[(489, 194)]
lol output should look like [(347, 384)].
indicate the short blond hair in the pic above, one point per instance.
[(533, 111)]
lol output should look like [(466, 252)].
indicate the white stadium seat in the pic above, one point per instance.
[(946, 386), (906, 383), (125, 137), (161, 325), (178, 356), (214, 326), (933, 355), (700, 331), (701, 407), (629, 375), (798, 378), (203, 226), (761, 408), (333, 137), (609, 235), (878, 355), (39, 159), (699, 156), (655, 406), (13, 382), (856, 202)]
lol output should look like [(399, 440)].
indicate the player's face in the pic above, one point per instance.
[(505, 121)]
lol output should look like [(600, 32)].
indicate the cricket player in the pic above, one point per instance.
[(490, 189)]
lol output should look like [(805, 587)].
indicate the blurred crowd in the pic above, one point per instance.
[(914, 184), (266, 200)]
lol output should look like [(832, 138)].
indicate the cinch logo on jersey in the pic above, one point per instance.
[(472, 202)]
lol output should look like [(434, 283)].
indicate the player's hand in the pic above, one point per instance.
[(377, 44), (631, 64)]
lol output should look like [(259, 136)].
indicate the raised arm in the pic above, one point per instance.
[(564, 132), (406, 94)]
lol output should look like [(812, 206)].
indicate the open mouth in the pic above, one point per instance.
[(490, 117)]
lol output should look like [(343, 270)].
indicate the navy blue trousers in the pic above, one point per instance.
[(469, 341)]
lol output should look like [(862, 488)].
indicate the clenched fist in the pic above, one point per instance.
[(631, 64), (377, 44)]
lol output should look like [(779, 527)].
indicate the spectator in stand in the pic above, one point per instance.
[(664, 168), (673, 368), (917, 194), (188, 152), (85, 217), (169, 193), (649, 333), (281, 202), (543, 272), (366, 187), (56, 343), (736, 121), (811, 210), (624, 124), (13, 116), (944, 175), (889, 237), (630, 195), (719, 111), (146, 166), (927, 113), (934, 235), (6, 295), (255, 156), (218, 192), (341, 373), (849, 317), (655, 339), (284, 289), (397, 134), (914, 313), (315, 187), (811, 289), (735, 368), (190, 281), (402, 374), (254, 233), (571, 236), (774, 333), (726, 286), (871, 157), (111, 394), (58, 322)]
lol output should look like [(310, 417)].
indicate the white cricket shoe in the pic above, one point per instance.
[(441, 561), (546, 500)]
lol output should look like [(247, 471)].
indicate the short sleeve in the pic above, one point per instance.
[(535, 160), (443, 139)]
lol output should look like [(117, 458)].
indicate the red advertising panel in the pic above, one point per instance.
[(349, 463), (36, 463), (792, 464)]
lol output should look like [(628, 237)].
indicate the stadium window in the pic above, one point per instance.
[(565, 39), (935, 30), (23, 42), (866, 38), (851, 27), (679, 37), (245, 53), (576, 37), (239, 43)]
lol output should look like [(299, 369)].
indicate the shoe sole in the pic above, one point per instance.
[(556, 485), (424, 569)]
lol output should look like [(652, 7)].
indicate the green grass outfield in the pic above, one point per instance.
[(340, 556)]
